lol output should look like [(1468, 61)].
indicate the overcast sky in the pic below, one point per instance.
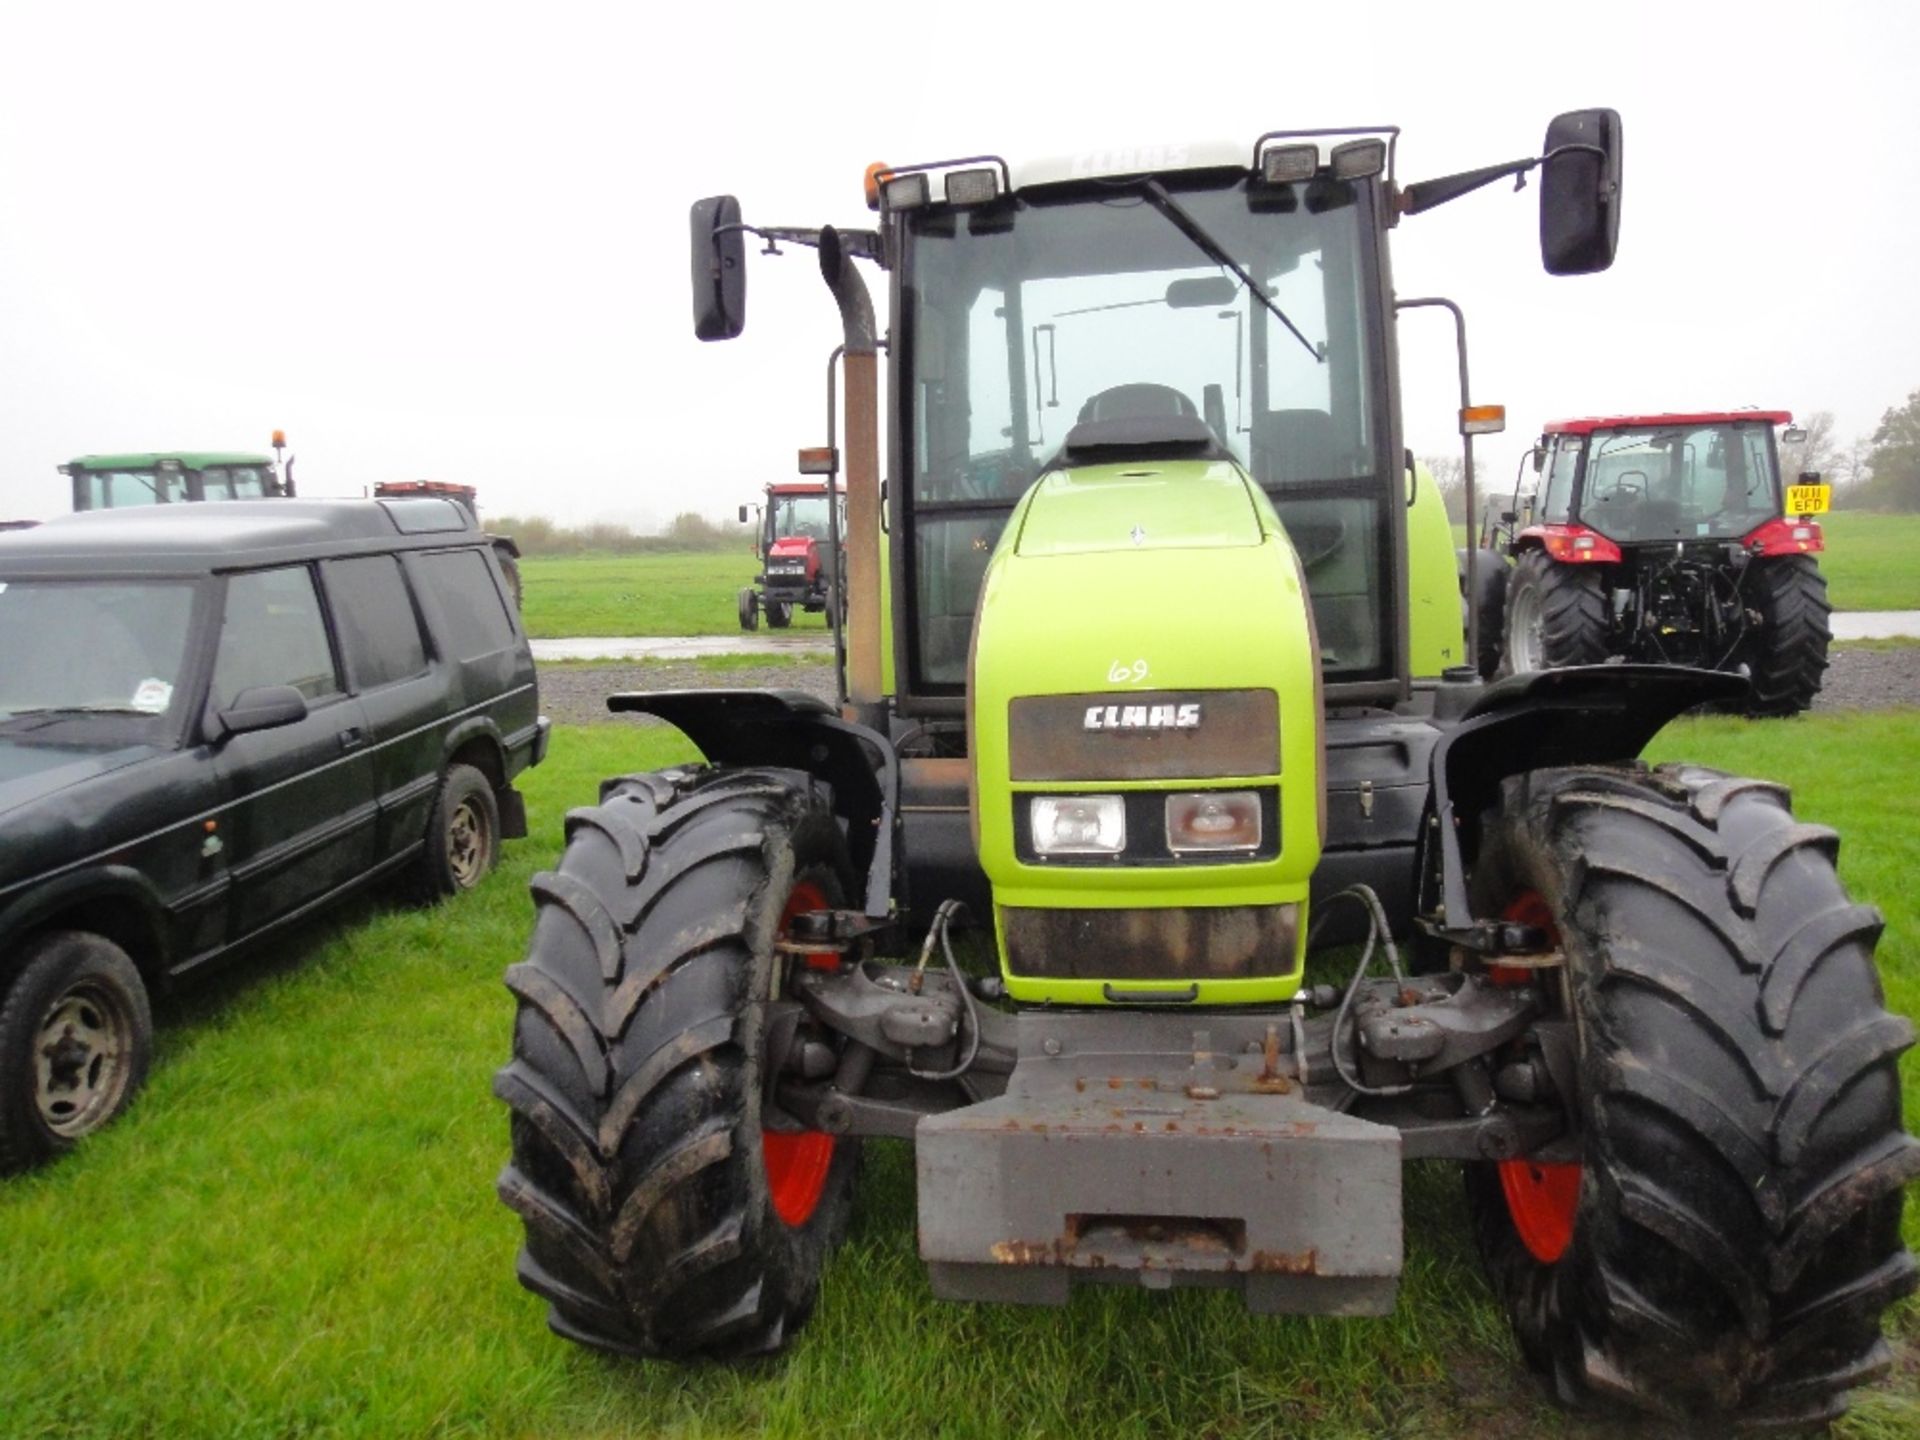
[(450, 241)]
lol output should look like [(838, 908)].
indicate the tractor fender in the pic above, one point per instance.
[(1580, 715), (794, 730)]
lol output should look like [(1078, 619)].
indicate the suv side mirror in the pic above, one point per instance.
[(719, 268), (1580, 192), (264, 707)]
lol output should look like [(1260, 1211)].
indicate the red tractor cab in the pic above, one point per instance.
[(1666, 539), (795, 546)]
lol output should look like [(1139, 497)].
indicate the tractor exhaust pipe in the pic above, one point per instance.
[(860, 364)]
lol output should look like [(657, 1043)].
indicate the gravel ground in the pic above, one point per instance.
[(577, 694)]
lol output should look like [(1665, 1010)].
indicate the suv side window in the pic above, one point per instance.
[(273, 635), (373, 612), (470, 606), (1556, 499)]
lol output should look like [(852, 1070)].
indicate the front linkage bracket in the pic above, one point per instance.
[(1581, 715)]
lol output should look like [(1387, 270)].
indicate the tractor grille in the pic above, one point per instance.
[(1228, 942), (1238, 733)]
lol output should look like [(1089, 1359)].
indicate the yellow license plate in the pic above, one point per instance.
[(1809, 499)]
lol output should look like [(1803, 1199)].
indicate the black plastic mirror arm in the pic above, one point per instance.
[(1428, 193)]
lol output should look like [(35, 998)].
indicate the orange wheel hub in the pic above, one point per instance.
[(797, 1162), (1542, 1200)]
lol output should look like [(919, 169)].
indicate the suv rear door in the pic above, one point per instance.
[(405, 703), (299, 821)]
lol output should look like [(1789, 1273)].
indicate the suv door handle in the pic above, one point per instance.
[(352, 738)]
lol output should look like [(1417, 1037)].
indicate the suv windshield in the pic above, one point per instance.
[(81, 647), (1031, 315), (1683, 482)]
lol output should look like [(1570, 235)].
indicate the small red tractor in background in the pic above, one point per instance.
[(467, 498), (795, 546), (1666, 539)]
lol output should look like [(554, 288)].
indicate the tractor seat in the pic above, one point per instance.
[(1140, 400)]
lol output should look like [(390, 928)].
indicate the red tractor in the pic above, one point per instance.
[(795, 546), (1666, 539)]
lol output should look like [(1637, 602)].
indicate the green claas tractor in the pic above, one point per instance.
[(1154, 673)]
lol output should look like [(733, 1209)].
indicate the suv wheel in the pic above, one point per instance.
[(76, 1036), (463, 836)]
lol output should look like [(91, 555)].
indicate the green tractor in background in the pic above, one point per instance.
[(117, 482), (1154, 669)]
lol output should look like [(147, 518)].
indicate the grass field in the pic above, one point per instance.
[(1872, 563), (695, 593), (294, 1232)]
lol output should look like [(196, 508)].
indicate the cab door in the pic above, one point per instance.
[(299, 819)]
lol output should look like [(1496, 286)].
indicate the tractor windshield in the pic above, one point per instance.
[(802, 515), (119, 489), (1688, 482), (1031, 315)]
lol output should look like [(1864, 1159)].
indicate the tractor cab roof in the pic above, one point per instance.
[(151, 459), (1592, 423)]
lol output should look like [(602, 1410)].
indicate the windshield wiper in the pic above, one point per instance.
[(1191, 228)]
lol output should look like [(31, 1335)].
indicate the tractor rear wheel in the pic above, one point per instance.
[(1556, 615), (1725, 1233), (1491, 573), (1790, 654), (661, 1218), (779, 613), (749, 609)]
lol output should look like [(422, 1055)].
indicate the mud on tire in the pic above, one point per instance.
[(1790, 656), (638, 1165), (1737, 1233)]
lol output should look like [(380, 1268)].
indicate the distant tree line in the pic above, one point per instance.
[(537, 535), (1880, 471)]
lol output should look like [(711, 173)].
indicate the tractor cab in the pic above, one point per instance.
[(1667, 479), (117, 482)]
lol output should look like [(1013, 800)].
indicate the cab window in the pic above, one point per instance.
[(1556, 496)]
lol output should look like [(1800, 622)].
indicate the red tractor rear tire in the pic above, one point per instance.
[(1556, 615), (1789, 656)]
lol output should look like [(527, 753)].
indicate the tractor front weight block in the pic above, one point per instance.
[(1154, 1159)]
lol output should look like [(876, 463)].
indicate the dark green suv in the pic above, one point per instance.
[(215, 720)]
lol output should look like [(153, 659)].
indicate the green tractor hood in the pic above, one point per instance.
[(1162, 591)]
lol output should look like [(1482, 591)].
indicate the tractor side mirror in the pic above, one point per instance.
[(743, 514), (719, 268), (1580, 192), (1793, 435), (1539, 458)]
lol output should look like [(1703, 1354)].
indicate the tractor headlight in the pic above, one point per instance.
[(1213, 820), (1079, 824)]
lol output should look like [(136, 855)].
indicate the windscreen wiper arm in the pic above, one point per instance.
[(1191, 228)]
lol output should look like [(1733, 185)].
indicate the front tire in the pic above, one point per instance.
[(76, 1038), (661, 1217), (1790, 655), (1729, 1234), (779, 613), (749, 609), (1556, 615)]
